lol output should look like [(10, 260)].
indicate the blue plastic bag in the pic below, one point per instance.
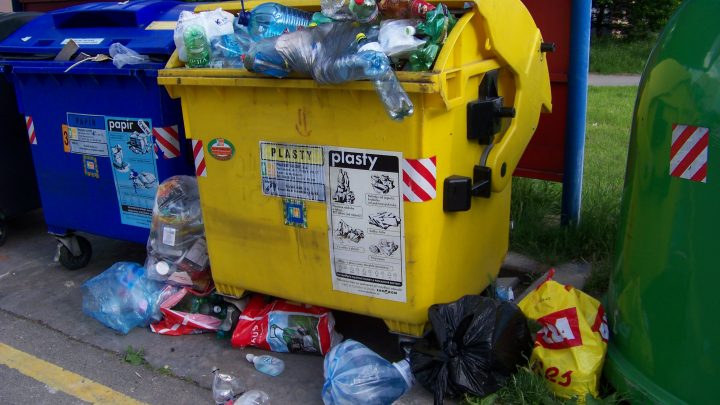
[(122, 297), (355, 374)]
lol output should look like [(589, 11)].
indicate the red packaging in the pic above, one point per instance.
[(283, 326), (404, 8)]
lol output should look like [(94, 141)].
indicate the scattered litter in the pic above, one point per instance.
[(570, 348), (138, 375), (122, 297), (475, 345), (225, 387), (253, 397), (122, 55), (187, 312), (267, 364), (282, 326), (355, 374), (69, 284)]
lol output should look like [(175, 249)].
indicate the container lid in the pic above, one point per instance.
[(145, 26)]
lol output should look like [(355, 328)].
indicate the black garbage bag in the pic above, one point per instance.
[(474, 346)]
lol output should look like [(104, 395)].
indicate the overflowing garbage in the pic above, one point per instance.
[(346, 41)]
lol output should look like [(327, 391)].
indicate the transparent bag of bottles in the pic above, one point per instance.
[(177, 249)]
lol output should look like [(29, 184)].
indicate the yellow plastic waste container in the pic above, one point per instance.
[(311, 193)]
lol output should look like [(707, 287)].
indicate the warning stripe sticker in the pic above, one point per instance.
[(168, 139), (420, 178), (689, 152), (30, 130), (199, 156)]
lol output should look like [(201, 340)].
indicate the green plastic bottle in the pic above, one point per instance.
[(197, 47)]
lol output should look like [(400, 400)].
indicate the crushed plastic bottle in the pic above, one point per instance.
[(262, 57), (355, 374), (364, 11), (225, 387), (267, 364), (253, 397), (197, 46), (272, 19)]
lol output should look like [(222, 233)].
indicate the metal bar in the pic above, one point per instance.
[(577, 107)]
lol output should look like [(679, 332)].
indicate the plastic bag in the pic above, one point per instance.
[(177, 250), (355, 374), (122, 55), (122, 297), (475, 345), (397, 38), (570, 348), (282, 326), (186, 312)]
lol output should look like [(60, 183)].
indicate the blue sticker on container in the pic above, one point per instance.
[(132, 158), (90, 166), (295, 212)]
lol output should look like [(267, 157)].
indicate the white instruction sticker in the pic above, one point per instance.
[(168, 236), (293, 171), (86, 134), (84, 41), (365, 215)]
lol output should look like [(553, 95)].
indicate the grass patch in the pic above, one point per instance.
[(617, 56), (528, 388), (136, 357), (536, 204)]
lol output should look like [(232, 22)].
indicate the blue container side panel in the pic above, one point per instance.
[(74, 200)]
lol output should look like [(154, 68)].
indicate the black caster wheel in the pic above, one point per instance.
[(72, 262)]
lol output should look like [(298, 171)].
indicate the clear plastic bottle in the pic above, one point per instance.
[(267, 364), (262, 57), (225, 387), (197, 46), (253, 397), (272, 19), (364, 11)]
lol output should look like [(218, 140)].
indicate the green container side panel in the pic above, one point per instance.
[(663, 300)]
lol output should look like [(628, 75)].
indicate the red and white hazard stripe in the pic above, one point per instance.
[(420, 178), (30, 130), (689, 152), (168, 139), (199, 156)]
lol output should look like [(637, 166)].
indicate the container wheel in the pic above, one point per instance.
[(71, 262), (3, 232)]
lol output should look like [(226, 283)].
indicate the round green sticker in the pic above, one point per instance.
[(221, 149)]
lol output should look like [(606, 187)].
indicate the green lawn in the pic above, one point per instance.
[(535, 205), (614, 56)]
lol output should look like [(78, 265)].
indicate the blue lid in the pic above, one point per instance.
[(137, 24)]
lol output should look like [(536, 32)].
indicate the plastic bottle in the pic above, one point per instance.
[(197, 46), (272, 19), (253, 397), (267, 364), (263, 58), (364, 11), (225, 387), (404, 8)]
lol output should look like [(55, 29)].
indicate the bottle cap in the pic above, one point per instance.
[(162, 268), (250, 357), (409, 30), (359, 2)]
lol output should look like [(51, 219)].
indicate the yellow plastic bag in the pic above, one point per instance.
[(570, 348)]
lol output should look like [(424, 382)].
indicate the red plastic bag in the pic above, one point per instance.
[(178, 322), (282, 326)]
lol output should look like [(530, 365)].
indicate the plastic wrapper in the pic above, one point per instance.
[(570, 348), (476, 343), (397, 38), (186, 312), (332, 54), (437, 25), (122, 55), (177, 250), (122, 297), (282, 326), (355, 374)]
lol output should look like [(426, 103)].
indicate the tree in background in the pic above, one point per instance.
[(631, 19)]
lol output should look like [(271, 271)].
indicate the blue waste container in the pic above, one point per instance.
[(102, 138), (18, 189)]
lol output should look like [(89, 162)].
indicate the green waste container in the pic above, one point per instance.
[(665, 342)]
